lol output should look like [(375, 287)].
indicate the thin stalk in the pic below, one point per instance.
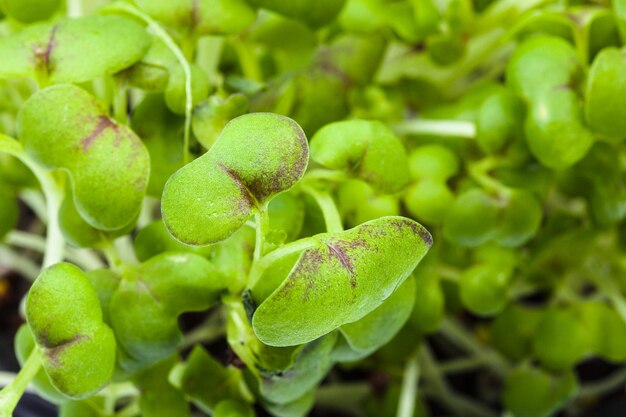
[(125, 250), (55, 242), (462, 365), (160, 33), (447, 128), (74, 8), (479, 172), (120, 100), (408, 393), (84, 258), (13, 260), (596, 389), (262, 223), (36, 202), (347, 398), (266, 261), (456, 403), (6, 378), (328, 207), (457, 334), (11, 394)]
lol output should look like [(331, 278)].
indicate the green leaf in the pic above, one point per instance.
[(77, 348), (73, 50), (210, 118), (65, 127), (532, 392), (606, 93), (158, 397), (29, 11), (366, 335), (340, 279), (314, 13), (311, 365), (367, 149), (9, 211), (24, 344), (207, 382), (204, 17), (255, 157), (161, 288)]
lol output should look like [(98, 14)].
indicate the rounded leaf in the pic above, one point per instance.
[(339, 280), (367, 149), (256, 156), (73, 50), (65, 127), (78, 349)]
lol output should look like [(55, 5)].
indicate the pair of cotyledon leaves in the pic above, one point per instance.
[(65, 127), (342, 276), (114, 322)]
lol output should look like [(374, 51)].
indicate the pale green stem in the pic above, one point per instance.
[(55, 242), (125, 250), (120, 100), (266, 261), (453, 128), (14, 261), (160, 33), (213, 328), (453, 401), (110, 253), (479, 173), (74, 8), (261, 226), (11, 394), (457, 334), (6, 378), (148, 210), (347, 398), (36, 202), (408, 394), (610, 383), (84, 258), (332, 218), (461, 365)]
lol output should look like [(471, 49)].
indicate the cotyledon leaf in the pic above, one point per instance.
[(73, 50), (256, 156), (368, 149), (340, 279), (364, 336), (77, 347), (65, 127)]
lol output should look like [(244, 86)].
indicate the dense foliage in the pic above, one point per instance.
[(282, 207)]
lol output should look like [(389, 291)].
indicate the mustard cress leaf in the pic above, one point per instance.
[(255, 157), (65, 127), (341, 279)]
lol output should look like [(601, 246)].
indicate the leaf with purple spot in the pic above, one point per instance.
[(256, 157), (77, 348), (65, 127), (340, 279), (366, 149), (73, 50)]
